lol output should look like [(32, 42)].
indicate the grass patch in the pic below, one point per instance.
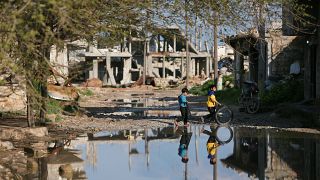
[(58, 118), (54, 107), (2, 82), (229, 78), (228, 96), (290, 91), (86, 92), (203, 89)]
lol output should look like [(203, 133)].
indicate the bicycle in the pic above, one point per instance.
[(249, 98), (224, 115)]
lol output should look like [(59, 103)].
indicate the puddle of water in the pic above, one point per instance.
[(153, 154)]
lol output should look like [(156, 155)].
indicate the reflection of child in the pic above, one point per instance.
[(212, 145), (183, 104), (183, 146)]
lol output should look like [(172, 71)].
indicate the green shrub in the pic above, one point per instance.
[(58, 118), (2, 82), (53, 107), (290, 91), (228, 96), (86, 92), (202, 90), (229, 78)]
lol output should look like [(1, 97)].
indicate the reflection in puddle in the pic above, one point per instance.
[(142, 102), (212, 153), (142, 113)]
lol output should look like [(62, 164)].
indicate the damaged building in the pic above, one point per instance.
[(291, 47), (122, 65)]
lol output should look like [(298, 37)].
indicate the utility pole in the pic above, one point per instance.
[(187, 46), (215, 44)]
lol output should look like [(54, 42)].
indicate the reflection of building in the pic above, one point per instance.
[(129, 137), (65, 158), (59, 163), (276, 155)]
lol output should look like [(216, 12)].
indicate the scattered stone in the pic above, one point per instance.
[(51, 117), (37, 131), (94, 82), (12, 98), (6, 144)]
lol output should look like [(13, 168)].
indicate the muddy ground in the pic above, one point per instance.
[(148, 107)]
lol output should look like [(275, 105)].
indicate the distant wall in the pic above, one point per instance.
[(284, 51)]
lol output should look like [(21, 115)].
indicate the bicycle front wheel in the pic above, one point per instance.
[(253, 106), (224, 115)]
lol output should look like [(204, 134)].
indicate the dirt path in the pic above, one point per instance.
[(136, 108)]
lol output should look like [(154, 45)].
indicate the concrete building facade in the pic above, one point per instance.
[(162, 55)]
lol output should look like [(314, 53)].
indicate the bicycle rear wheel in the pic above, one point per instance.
[(224, 115)]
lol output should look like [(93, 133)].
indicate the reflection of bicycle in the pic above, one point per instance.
[(223, 115), (249, 98), (225, 130)]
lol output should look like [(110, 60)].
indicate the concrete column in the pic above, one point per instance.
[(163, 67), (126, 71), (149, 65), (174, 68), (130, 46), (198, 67), (95, 68), (182, 67), (193, 66), (307, 73), (174, 43), (109, 74), (158, 43), (237, 73), (166, 46), (269, 57), (262, 64), (207, 67), (210, 64), (90, 74)]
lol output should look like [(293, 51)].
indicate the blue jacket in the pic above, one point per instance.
[(183, 101), (182, 151)]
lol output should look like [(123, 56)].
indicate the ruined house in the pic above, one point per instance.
[(292, 42), (311, 45), (281, 51), (163, 57)]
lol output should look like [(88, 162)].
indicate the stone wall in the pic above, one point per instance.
[(284, 51), (12, 98)]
